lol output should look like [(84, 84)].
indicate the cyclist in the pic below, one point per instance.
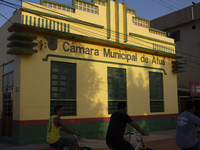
[(186, 128), (54, 126), (116, 129)]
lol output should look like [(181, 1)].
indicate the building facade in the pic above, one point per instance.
[(183, 26), (87, 57)]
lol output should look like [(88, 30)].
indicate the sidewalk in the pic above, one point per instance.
[(164, 140)]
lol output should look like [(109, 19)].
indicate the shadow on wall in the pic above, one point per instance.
[(88, 101)]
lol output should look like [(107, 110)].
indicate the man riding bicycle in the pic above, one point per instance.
[(54, 126), (186, 129), (116, 129)]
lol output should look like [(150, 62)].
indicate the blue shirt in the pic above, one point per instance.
[(186, 130)]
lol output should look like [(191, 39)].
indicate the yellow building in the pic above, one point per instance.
[(87, 57)]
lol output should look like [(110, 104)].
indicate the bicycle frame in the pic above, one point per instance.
[(140, 144)]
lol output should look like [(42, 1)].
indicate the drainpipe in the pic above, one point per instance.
[(192, 13)]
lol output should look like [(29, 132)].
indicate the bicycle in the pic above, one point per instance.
[(77, 145), (139, 138)]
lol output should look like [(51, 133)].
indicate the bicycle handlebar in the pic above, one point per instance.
[(131, 133), (76, 137)]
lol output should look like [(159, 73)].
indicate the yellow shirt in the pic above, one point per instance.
[(52, 131)]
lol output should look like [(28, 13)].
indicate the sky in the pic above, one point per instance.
[(149, 9)]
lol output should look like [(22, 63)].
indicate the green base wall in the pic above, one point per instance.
[(24, 135)]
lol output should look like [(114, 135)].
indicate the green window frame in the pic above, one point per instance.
[(63, 80), (117, 90), (156, 92), (63, 87)]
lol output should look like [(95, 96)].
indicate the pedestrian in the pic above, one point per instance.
[(54, 126), (116, 129), (186, 129)]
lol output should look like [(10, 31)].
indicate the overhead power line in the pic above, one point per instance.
[(7, 5), (112, 32)]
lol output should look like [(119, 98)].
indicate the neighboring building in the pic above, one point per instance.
[(87, 57), (184, 27)]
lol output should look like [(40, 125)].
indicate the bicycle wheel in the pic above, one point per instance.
[(86, 148)]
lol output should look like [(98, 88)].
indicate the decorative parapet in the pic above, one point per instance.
[(131, 11), (58, 6), (157, 32), (140, 22), (79, 4), (44, 23), (100, 3), (87, 7)]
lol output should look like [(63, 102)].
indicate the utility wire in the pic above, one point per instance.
[(181, 1), (6, 18), (196, 11), (97, 35), (13, 4), (186, 15), (100, 36), (7, 5)]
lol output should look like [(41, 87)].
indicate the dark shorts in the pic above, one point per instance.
[(123, 145), (62, 142)]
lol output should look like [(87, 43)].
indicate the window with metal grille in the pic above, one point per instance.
[(63, 87), (112, 106), (156, 92), (175, 35), (63, 80), (68, 106), (116, 88)]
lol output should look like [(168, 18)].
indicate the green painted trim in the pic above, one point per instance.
[(46, 24), (50, 24), (16, 26), (68, 28), (54, 25), (178, 66), (158, 30), (14, 35), (61, 26), (178, 62), (64, 18), (117, 9), (22, 19), (21, 42), (101, 61), (23, 49), (142, 18), (109, 28), (148, 22), (151, 38), (125, 22), (30, 21), (73, 2), (58, 26), (64, 27), (34, 21), (132, 10), (42, 23), (89, 130), (177, 70), (26, 20), (38, 22)]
